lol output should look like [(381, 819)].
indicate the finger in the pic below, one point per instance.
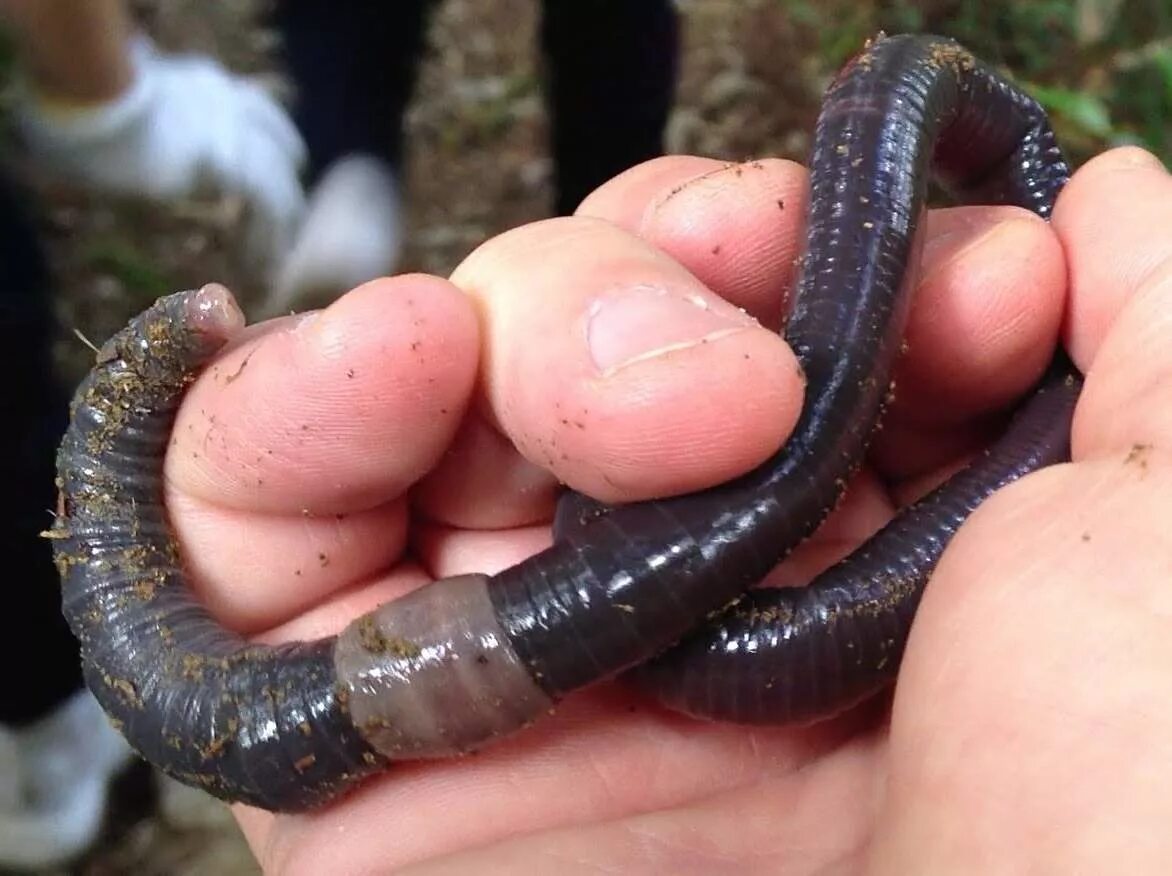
[(986, 314), (331, 614), (483, 483), (987, 306), (1113, 219), (736, 227), (254, 571), (445, 551), (984, 324), (678, 203), (1037, 673), (1126, 405), (291, 454), (337, 412), (624, 199), (609, 364)]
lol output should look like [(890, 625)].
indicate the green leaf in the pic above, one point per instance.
[(1086, 111)]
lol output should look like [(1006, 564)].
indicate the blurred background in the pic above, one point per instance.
[(750, 79)]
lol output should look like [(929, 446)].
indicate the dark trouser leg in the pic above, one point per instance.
[(38, 653), (612, 68), (354, 67)]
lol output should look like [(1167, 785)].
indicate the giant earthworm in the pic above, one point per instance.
[(796, 655), (800, 654), (468, 659)]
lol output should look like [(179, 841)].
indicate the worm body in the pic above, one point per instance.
[(800, 654), (782, 656), (469, 659)]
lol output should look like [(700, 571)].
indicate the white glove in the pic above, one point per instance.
[(57, 774), (353, 232), (184, 122)]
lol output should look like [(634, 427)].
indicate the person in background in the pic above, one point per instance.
[(610, 74), (98, 105), (101, 106)]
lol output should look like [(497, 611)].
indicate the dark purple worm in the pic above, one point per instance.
[(799, 655), (469, 659)]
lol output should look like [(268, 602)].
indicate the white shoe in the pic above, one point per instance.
[(57, 775), (353, 232)]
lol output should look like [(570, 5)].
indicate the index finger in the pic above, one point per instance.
[(291, 454), (336, 411)]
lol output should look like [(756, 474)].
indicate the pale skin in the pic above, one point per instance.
[(74, 53), (371, 448)]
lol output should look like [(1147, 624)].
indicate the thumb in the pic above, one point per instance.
[(612, 366), (1032, 728)]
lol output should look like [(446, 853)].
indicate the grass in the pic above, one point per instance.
[(1102, 68), (127, 263)]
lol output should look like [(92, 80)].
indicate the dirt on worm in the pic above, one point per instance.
[(750, 86)]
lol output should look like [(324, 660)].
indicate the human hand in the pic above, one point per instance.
[(318, 449), (183, 122)]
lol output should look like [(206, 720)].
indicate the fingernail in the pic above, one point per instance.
[(643, 322)]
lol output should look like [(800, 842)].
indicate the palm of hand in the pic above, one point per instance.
[(361, 452)]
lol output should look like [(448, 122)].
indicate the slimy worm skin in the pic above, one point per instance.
[(244, 722), (799, 655), (283, 727), (468, 659)]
